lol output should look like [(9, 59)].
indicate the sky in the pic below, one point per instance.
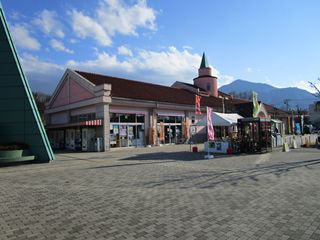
[(269, 41)]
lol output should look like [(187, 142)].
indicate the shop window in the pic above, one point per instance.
[(127, 118), (140, 118), (114, 117), (82, 117), (179, 119), (171, 119)]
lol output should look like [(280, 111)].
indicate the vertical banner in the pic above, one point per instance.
[(293, 124), (256, 105), (210, 128), (197, 105)]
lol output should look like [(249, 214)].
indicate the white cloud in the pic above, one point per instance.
[(123, 50), (58, 45), (304, 85), (49, 24), (268, 80), (187, 47), (163, 67), (113, 17), (249, 69), (32, 64), (16, 16), (225, 79), (171, 62), (85, 26), (73, 41), (23, 39), (116, 17), (104, 61)]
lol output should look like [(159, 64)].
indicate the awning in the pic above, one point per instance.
[(221, 119), (96, 122), (170, 113), (276, 121)]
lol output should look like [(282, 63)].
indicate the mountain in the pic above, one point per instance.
[(272, 95)]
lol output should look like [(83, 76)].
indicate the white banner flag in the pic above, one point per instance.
[(210, 129)]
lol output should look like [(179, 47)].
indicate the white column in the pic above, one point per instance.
[(102, 111)]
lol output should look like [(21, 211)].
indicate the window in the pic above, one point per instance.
[(208, 86), (82, 117)]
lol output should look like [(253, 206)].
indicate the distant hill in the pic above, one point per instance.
[(271, 95)]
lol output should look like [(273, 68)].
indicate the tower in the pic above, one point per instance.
[(207, 78)]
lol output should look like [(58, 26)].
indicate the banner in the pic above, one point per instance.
[(256, 105), (197, 109), (210, 128)]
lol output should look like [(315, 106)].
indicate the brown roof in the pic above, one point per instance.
[(276, 112), (246, 108), (131, 89)]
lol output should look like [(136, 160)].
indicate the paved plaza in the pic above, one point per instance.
[(163, 193)]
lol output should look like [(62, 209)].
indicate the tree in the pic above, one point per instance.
[(41, 99), (314, 85)]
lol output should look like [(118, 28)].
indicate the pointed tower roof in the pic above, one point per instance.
[(204, 61)]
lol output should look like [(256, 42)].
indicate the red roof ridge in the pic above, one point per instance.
[(125, 79)]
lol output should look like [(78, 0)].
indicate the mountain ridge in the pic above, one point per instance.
[(272, 95)]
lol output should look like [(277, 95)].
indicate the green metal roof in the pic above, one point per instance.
[(20, 121), (204, 62)]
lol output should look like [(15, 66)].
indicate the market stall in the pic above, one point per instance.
[(225, 124), (255, 134)]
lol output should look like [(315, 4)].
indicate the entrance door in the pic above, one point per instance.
[(84, 139)]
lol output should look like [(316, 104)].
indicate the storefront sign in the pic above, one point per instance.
[(96, 122)]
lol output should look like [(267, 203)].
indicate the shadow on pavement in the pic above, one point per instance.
[(210, 179), (157, 158), (176, 156)]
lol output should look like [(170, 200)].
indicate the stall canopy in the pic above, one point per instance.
[(221, 119)]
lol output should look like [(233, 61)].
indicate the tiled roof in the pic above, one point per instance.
[(276, 112), (245, 109), (131, 89)]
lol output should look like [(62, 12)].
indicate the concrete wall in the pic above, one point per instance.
[(300, 139)]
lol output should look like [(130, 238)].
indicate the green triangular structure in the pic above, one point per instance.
[(204, 62), (20, 121)]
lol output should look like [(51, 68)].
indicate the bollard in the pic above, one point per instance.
[(285, 147)]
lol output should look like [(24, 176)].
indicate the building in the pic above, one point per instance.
[(314, 112), (124, 113), (91, 112)]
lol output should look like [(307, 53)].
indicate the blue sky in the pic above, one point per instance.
[(269, 41)]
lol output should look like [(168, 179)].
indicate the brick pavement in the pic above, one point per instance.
[(163, 193)]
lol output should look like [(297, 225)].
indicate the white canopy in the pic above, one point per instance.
[(221, 119)]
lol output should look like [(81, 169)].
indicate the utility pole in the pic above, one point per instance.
[(286, 102)]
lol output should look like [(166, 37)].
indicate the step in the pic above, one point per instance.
[(19, 159)]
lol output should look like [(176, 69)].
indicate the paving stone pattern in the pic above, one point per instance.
[(163, 193)]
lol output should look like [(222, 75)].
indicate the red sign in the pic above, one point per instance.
[(96, 122), (210, 128), (198, 110)]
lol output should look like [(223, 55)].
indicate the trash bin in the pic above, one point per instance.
[(194, 149)]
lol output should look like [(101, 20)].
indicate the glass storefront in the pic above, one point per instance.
[(56, 138), (169, 129), (126, 130)]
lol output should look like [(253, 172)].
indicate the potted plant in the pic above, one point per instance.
[(12, 150)]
